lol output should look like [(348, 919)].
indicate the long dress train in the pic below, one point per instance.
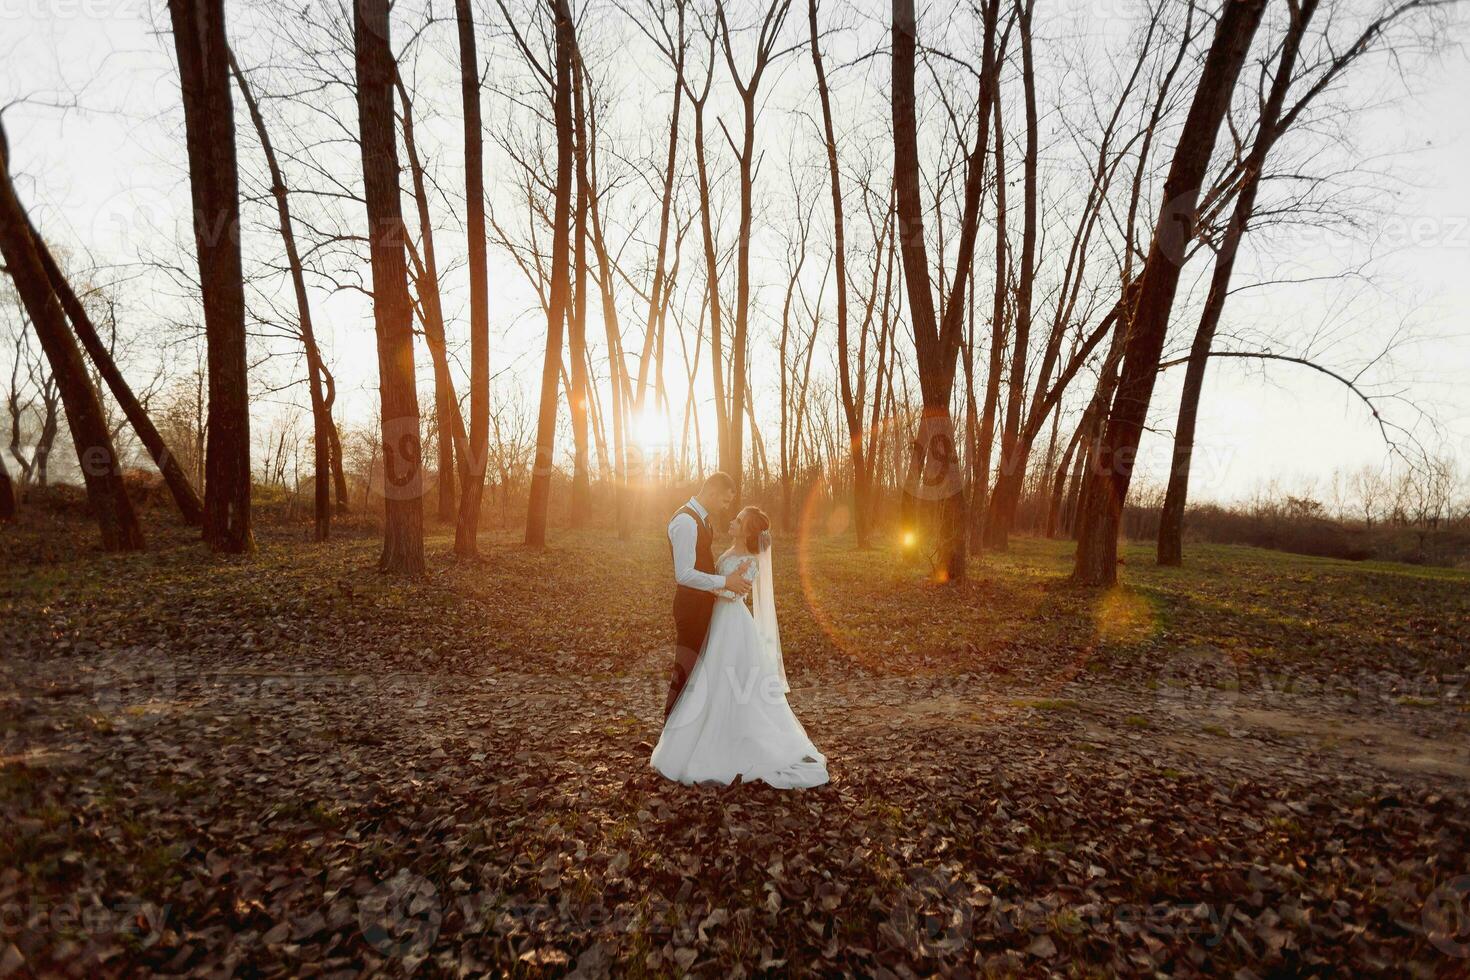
[(732, 718)]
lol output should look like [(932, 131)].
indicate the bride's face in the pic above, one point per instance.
[(737, 526)]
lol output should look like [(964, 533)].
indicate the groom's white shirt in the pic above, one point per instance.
[(683, 536)]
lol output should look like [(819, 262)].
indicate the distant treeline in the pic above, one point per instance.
[(1303, 526)]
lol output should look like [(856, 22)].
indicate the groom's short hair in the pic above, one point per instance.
[(719, 480)]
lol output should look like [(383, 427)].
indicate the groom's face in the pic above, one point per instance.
[(723, 499)]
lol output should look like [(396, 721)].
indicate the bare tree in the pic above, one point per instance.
[(209, 127), (18, 401), (320, 412), (403, 538), (540, 497), (100, 469), (424, 270), (1096, 562), (851, 407), (933, 459), (578, 399), (1275, 118), (467, 527), (7, 494), (748, 88)]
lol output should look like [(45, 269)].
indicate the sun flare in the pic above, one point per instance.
[(651, 429)]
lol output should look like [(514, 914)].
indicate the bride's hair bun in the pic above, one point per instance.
[(758, 535)]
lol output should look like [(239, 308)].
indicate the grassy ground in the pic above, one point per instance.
[(288, 764)]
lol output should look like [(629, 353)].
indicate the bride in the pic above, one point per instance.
[(732, 718)]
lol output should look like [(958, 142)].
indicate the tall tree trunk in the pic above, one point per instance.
[(740, 338), (7, 494), (183, 493), (653, 328), (209, 129), (47, 438), (996, 365), (1097, 551), (617, 371), (1171, 519), (934, 470), (403, 473), (850, 407), (89, 433), (723, 414), (339, 474), (451, 435), (320, 414), (1059, 485), (884, 374), (540, 498), (577, 321), (747, 88), (1001, 504), (467, 527)]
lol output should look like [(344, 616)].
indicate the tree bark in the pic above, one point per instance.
[(467, 527), (712, 272), (1171, 518), (577, 320), (1097, 551), (182, 491), (403, 475), (850, 408), (996, 365), (617, 374), (747, 89), (450, 424), (99, 464), (934, 472), (209, 128), (339, 474), (1001, 504), (1059, 485), (320, 414), (540, 497), (7, 494)]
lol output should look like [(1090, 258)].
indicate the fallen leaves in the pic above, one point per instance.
[(293, 766)]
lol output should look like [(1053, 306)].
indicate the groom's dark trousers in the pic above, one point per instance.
[(692, 611)]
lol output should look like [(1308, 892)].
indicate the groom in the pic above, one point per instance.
[(691, 541)]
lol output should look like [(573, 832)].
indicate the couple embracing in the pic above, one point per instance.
[(726, 714)]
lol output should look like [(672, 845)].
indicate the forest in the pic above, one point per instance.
[(351, 376), (985, 365)]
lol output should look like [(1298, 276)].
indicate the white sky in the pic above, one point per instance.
[(99, 159)]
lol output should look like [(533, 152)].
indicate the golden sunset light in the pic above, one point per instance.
[(734, 488)]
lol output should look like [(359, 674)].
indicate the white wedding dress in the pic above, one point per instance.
[(732, 718)]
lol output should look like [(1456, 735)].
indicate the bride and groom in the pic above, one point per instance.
[(726, 713)]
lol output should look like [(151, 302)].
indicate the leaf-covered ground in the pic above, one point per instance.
[(287, 764)]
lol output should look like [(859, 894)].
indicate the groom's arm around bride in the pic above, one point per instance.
[(691, 546)]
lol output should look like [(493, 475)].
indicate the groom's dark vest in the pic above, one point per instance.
[(693, 607)]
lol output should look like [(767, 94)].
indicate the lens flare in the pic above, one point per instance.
[(651, 429)]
